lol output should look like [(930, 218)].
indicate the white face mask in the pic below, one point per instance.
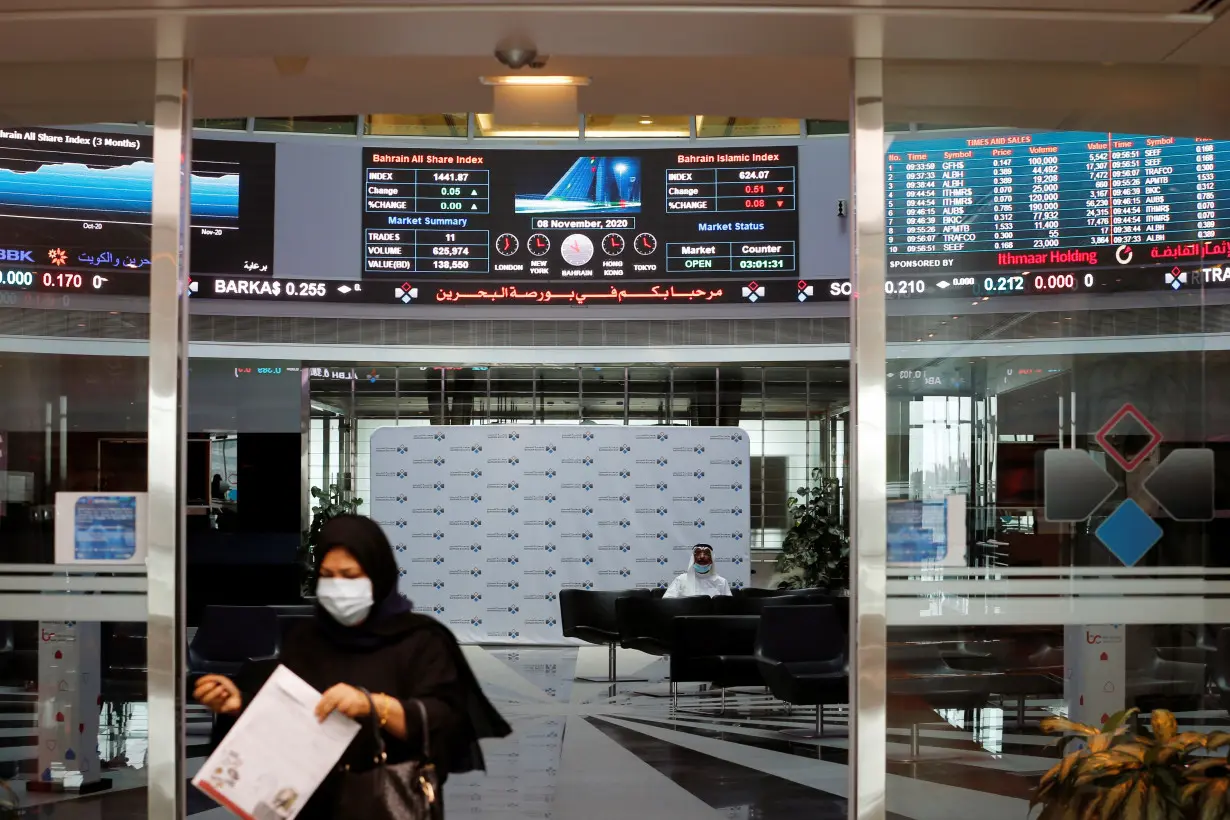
[(348, 600)]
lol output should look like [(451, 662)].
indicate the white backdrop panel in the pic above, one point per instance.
[(490, 523)]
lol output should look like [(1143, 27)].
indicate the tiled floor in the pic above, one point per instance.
[(584, 751)]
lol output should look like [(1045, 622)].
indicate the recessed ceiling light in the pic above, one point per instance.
[(534, 79)]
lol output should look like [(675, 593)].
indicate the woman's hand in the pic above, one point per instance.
[(218, 694), (346, 699)]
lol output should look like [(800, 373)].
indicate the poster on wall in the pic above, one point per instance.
[(927, 532), (1095, 677), (489, 523), (100, 528), (69, 699)]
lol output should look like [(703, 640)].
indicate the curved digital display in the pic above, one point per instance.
[(82, 200), (582, 226)]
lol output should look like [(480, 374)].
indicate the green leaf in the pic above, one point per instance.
[(1113, 798), (1059, 725), (1164, 725), (1134, 805), (1213, 807), (1203, 766), (1190, 794), (1100, 743), (1131, 752), (1216, 740), (1091, 808), (1116, 720)]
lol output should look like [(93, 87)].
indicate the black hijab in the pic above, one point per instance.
[(393, 617), (363, 538)]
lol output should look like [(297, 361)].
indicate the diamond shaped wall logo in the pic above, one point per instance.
[(1129, 533), (1127, 461)]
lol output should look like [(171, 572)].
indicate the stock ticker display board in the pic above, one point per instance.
[(80, 202), (576, 227), (973, 216), (1073, 212)]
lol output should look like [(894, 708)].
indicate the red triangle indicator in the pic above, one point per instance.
[(779, 203), (781, 188)]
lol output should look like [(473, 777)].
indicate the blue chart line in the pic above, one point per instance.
[(591, 184), (121, 193)]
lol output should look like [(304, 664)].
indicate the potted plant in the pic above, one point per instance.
[(10, 803), (327, 504), (816, 549), (1118, 773)]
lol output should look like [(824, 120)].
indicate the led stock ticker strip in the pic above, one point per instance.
[(1175, 278)]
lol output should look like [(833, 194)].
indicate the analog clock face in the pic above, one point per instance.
[(538, 244), (506, 244), (577, 249), (645, 243), (613, 244)]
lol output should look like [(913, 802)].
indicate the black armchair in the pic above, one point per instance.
[(755, 604), (921, 681), (291, 616), (717, 649), (590, 616), (801, 653), (1221, 667), (18, 657), (229, 637), (648, 625)]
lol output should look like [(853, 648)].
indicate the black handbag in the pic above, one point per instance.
[(392, 791)]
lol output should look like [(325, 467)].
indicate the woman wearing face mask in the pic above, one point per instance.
[(365, 637)]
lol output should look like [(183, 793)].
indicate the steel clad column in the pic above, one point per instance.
[(168, 400), (869, 531), (305, 447)]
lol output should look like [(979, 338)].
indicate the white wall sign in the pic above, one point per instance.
[(68, 703), (491, 522), (1095, 661), (101, 528)]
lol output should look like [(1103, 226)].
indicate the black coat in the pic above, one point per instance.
[(418, 660)]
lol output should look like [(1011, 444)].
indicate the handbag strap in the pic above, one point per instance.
[(426, 730), (381, 754)]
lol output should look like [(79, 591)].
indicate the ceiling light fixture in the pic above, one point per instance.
[(534, 79)]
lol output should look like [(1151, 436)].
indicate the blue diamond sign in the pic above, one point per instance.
[(1129, 533)]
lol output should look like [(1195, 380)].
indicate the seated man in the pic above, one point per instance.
[(700, 579)]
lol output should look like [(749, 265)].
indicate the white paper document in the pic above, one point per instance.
[(278, 753)]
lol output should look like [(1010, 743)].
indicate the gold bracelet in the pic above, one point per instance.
[(383, 713)]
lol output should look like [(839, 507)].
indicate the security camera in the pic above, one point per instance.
[(520, 57)]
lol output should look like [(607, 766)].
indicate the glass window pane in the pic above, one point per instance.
[(485, 126), (224, 124), (416, 125), (1055, 509), (636, 125), (340, 125), (817, 127), (707, 126), (73, 423)]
